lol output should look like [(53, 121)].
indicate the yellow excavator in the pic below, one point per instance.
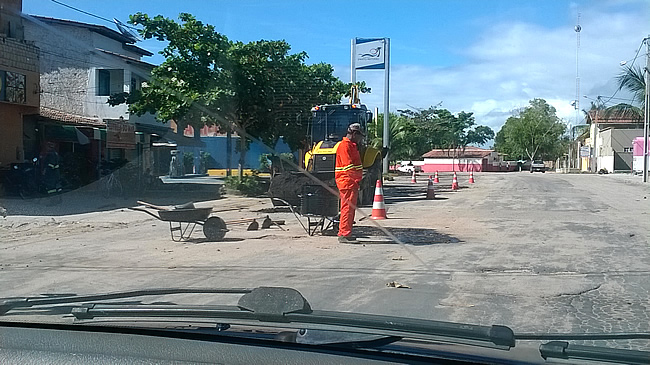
[(326, 129)]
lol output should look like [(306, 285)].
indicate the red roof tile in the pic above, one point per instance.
[(67, 118)]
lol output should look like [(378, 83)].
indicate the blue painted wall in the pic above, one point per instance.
[(216, 146)]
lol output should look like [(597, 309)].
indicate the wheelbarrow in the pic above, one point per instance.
[(184, 218)]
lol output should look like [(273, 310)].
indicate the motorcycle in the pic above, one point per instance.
[(28, 181)]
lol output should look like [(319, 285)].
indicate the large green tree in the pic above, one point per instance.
[(533, 132), (257, 89), (415, 132), (440, 128)]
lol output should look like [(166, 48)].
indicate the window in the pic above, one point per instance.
[(14, 88), (103, 83)]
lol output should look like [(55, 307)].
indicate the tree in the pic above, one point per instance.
[(533, 131), (256, 88), (439, 128), (632, 80), (405, 141), (415, 132)]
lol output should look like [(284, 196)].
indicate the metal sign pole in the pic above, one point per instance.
[(353, 63), (386, 100), (646, 116)]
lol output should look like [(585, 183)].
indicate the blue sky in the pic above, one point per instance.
[(489, 57)]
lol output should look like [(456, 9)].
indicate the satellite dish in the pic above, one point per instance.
[(132, 37)]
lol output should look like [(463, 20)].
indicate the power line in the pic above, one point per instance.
[(90, 14), (633, 61)]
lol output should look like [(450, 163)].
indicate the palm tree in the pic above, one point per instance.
[(632, 80)]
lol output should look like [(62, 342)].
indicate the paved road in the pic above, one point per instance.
[(537, 252)]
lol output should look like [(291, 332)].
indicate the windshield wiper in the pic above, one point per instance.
[(275, 305), (564, 350), (15, 303), (285, 305)]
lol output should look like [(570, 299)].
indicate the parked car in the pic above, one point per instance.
[(537, 165), (408, 168)]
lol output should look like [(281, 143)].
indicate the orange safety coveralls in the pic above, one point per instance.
[(348, 173)]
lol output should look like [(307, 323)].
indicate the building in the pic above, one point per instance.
[(19, 82), (81, 66), (610, 141), (468, 159)]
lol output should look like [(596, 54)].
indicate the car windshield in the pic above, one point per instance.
[(165, 144)]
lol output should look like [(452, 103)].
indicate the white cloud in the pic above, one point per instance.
[(511, 63)]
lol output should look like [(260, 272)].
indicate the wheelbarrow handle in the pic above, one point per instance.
[(152, 205), (146, 211)]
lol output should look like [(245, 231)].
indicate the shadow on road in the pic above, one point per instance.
[(409, 236), (89, 200), (206, 240)]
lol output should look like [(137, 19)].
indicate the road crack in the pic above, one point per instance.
[(585, 291)]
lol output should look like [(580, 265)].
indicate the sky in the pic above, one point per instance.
[(481, 56)]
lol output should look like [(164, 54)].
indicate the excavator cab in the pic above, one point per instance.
[(327, 127)]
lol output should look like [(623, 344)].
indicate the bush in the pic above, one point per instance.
[(265, 163), (249, 185), (203, 162), (188, 162)]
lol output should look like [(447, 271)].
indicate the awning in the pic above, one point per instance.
[(160, 129), (171, 138), (65, 133)]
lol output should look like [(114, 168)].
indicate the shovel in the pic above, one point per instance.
[(189, 205)]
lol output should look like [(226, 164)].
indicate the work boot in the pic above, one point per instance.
[(347, 239)]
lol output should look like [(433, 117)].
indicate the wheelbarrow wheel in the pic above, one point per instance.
[(214, 229)]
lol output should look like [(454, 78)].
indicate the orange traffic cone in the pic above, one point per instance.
[(435, 179), (471, 177), (454, 182), (378, 207), (431, 194), (413, 179)]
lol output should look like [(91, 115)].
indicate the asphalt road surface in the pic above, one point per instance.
[(536, 252)]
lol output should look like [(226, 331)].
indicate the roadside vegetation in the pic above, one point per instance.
[(533, 132)]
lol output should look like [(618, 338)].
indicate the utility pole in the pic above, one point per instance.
[(576, 106), (386, 136), (646, 113)]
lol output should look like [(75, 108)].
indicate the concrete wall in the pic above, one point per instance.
[(10, 22), (615, 149), (432, 165), (606, 162), (64, 65), (69, 70), (216, 146), (20, 57)]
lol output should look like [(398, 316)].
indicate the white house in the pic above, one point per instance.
[(81, 66), (610, 141)]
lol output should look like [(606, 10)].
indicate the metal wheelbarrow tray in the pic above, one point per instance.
[(183, 221)]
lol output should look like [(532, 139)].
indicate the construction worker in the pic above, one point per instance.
[(348, 172)]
